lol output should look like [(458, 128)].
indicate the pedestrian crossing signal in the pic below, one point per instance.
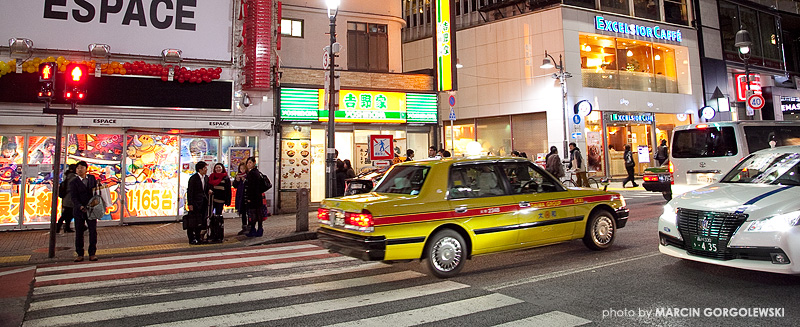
[(75, 82), (47, 72)]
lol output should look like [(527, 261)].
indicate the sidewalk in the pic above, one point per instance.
[(31, 246)]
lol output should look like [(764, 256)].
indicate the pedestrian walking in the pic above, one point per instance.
[(662, 153), (553, 163), (81, 191), (431, 152), (348, 169), (197, 202), (409, 155), (576, 164), (241, 208), (341, 176), (629, 164), (66, 200), (254, 187)]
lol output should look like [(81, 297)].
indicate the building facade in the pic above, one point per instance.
[(167, 90), (631, 67), (375, 96)]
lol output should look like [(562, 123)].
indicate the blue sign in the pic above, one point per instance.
[(576, 135), (452, 114), (452, 101), (576, 119), (637, 30)]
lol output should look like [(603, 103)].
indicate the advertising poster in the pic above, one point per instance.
[(194, 150), (39, 179), (103, 153), (295, 164), (151, 168), (10, 178), (594, 146), (238, 156)]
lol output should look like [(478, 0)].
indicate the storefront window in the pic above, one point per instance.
[(529, 132), (103, 153), (235, 149), (769, 35), (494, 135), (194, 150), (616, 63), (582, 3), (39, 179), (646, 9), (151, 175), (749, 21), (10, 178), (767, 47), (464, 132), (594, 143), (599, 62)]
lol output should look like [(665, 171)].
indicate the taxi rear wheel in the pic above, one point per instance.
[(445, 254), (601, 229)]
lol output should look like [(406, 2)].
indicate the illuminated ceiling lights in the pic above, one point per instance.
[(630, 53)]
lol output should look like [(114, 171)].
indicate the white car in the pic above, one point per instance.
[(750, 219)]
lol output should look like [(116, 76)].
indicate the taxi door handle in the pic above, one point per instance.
[(461, 209), (524, 204)]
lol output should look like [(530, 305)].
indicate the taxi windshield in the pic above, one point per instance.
[(403, 180), (767, 168)]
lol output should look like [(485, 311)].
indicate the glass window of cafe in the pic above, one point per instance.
[(616, 63), (499, 135)]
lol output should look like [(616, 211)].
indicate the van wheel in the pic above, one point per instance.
[(601, 229), (445, 254)]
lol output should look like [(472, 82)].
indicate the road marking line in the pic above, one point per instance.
[(437, 312), (96, 298), (245, 297), (186, 265), (212, 255), (40, 290), (567, 272), (304, 309), (14, 271), (550, 319)]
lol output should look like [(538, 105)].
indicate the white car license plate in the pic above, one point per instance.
[(338, 217), (705, 178)]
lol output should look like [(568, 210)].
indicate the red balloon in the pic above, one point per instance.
[(164, 78)]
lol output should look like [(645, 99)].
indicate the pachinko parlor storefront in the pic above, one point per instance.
[(146, 170)]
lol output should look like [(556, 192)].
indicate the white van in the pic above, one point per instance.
[(701, 153)]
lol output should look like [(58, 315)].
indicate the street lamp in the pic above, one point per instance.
[(333, 10), (562, 76), (743, 43)]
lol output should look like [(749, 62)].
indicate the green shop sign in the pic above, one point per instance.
[(359, 106)]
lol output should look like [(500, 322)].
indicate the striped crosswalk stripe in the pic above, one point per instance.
[(304, 285)]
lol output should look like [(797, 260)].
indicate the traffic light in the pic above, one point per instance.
[(47, 76), (75, 77)]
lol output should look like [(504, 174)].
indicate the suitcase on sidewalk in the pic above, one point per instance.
[(216, 229)]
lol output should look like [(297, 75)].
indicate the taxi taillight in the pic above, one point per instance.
[(323, 214), (650, 178), (363, 219)]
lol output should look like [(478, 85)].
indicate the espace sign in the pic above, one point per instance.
[(200, 28)]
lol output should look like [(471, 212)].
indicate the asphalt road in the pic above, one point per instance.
[(301, 284)]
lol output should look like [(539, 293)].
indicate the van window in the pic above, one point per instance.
[(758, 137), (704, 142)]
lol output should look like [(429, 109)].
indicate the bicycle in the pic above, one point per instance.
[(570, 180)]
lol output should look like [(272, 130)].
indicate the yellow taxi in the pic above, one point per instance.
[(446, 211)]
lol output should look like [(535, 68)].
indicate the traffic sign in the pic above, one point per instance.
[(576, 119), (326, 60), (452, 101), (381, 147), (756, 101), (576, 135), (452, 114)]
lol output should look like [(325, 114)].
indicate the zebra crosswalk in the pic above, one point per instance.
[(295, 284)]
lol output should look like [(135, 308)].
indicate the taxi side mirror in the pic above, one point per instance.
[(605, 183)]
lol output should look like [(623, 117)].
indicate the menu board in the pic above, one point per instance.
[(295, 164)]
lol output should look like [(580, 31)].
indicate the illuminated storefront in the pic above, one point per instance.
[(409, 117)]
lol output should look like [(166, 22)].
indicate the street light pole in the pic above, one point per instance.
[(562, 78), (743, 43), (333, 11)]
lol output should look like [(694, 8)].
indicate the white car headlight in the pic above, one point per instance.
[(777, 223), (670, 215)]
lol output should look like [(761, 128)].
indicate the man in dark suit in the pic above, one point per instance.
[(197, 201), (81, 192)]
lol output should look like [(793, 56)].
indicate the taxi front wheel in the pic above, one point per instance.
[(600, 231), (445, 254)]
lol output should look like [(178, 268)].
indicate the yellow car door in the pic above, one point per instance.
[(546, 212), (480, 200)]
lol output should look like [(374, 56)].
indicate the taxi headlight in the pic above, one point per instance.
[(776, 223), (670, 214)]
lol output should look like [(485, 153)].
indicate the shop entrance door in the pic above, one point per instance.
[(635, 135)]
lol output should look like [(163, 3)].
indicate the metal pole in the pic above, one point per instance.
[(51, 251), (562, 79), (331, 151), (452, 139)]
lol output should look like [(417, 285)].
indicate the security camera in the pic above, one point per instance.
[(246, 100)]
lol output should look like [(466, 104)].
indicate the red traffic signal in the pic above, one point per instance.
[(47, 72), (75, 77)]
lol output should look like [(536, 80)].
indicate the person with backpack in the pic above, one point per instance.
[(81, 192), (553, 163), (629, 164), (254, 187), (66, 200), (662, 153)]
